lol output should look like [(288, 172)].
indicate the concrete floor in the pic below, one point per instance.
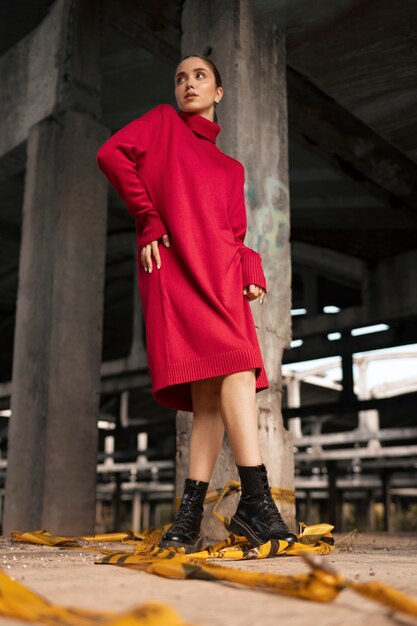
[(71, 578)]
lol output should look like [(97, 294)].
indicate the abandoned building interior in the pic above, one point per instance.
[(320, 106)]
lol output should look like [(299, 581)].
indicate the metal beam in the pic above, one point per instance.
[(332, 409), (356, 453), (355, 436)]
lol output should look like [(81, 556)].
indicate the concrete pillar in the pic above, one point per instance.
[(310, 291), (252, 62), (348, 392), (371, 511), (389, 286), (52, 452), (362, 512), (333, 510), (294, 400), (386, 500)]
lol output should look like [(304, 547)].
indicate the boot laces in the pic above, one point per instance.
[(185, 513), (269, 508)]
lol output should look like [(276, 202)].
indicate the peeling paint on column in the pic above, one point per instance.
[(268, 225)]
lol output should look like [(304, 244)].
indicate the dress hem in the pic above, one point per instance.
[(182, 372)]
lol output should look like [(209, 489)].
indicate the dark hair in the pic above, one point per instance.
[(217, 77)]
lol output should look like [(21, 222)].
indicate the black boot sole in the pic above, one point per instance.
[(239, 527), (189, 547)]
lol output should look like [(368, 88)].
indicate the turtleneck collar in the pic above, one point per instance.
[(201, 125)]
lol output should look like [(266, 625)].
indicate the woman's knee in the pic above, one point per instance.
[(206, 392)]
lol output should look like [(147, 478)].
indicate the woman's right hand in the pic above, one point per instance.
[(152, 248)]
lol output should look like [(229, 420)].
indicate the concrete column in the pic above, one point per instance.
[(371, 511), (348, 392), (386, 500), (252, 62), (52, 452), (310, 291), (294, 400), (388, 289), (333, 504)]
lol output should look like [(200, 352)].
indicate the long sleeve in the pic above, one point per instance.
[(120, 159), (252, 271)]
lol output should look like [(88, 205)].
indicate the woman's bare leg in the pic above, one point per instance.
[(218, 403), (238, 408), (207, 430), (230, 402)]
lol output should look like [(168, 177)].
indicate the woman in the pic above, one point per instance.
[(196, 289)]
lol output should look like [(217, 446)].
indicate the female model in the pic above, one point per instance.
[(196, 288)]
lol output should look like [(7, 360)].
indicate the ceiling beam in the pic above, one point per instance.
[(329, 262), (352, 317), (151, 31), (328, 129), (315, 347)]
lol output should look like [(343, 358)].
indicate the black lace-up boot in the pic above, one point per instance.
[(257, 517), (185, 529)]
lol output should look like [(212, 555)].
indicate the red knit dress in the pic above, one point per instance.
[(173, 178)]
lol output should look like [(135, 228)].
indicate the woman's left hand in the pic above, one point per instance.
[(252, 292)]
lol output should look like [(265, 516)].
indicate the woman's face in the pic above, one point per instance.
[(194, 76)]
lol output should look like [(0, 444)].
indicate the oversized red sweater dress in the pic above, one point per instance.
[(168, 170)]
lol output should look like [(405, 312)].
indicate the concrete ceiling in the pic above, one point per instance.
[(365, 57)]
